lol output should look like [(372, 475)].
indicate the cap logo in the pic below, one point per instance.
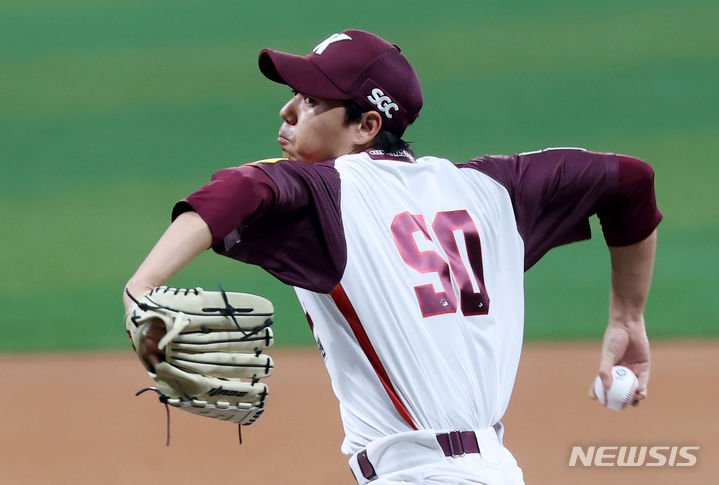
[(328, 41), (383, 102)]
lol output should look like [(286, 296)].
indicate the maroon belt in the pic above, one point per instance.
[(458, 443), (454, 443)]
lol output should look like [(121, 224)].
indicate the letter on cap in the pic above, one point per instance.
[(330, 40)]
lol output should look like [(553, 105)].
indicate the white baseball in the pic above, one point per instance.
[(622, 390)]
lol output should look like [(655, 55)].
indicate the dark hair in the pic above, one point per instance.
[(385, 139)]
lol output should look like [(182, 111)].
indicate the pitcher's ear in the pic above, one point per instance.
[(368, 127)]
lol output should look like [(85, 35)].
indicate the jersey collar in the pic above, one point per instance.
[(400, 156)]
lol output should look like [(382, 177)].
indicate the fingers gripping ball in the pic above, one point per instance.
[(621, 392), (204, 349)]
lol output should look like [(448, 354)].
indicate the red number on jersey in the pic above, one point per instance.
[(445, 225), (431, 303)]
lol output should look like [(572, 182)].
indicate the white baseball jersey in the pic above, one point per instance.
[(410, 271), (417, 335)]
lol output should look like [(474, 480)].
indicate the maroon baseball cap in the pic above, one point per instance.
[(355, 65)]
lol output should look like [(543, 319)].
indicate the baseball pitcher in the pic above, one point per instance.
[(410, 269)]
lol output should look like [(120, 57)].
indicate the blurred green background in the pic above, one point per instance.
[(111, 110)]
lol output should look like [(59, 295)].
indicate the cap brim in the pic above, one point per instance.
[(299, 73)]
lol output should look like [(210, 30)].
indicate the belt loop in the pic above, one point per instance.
[(456, 446)]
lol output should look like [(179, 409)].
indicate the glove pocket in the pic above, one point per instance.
[(234, 341), (223, 364)]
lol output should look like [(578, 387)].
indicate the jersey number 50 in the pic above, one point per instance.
[(445, 225)]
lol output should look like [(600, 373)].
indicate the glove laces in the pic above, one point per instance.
[(163, 400), (178, 325)]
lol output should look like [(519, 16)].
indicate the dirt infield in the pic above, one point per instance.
[(74, 419)]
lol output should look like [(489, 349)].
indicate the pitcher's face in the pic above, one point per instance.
[(314, 129)]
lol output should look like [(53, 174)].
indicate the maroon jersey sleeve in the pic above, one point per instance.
[(282, 216), (554, 192), (629, 214), (235, 196)]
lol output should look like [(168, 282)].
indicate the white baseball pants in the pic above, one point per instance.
[(416, 457)]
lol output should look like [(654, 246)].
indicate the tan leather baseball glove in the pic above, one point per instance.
[(204, 349)]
